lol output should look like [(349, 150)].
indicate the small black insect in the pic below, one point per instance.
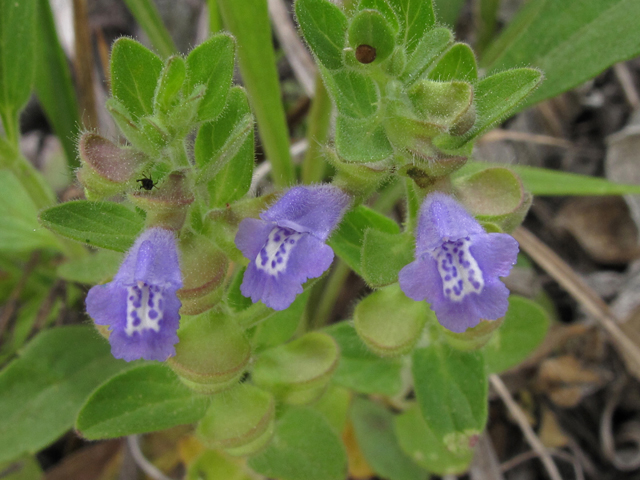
[(147, 182)]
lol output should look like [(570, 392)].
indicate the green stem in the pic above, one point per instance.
[(313, 164), (248, 21), (414, 200), (332, 289), (215, 22), (11, 126), (147, 15), (393, 191)]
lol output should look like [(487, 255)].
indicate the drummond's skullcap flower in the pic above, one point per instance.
[(140, 305), (286, 246), (457, 265)]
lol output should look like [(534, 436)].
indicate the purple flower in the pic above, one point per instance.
[(286, 247), (140, 305), (457, 265)]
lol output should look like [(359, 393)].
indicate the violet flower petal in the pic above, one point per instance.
[(315, 209), (140, 305), (457, 265), (287, 247)]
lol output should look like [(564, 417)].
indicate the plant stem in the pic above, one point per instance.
[(332, 289), (248, 21), (313, 164)]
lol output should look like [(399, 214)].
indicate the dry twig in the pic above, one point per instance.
[(133, 441), (626, 82), (520, 417), (499, 134), (585, 295)]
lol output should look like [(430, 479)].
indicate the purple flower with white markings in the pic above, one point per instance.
[(140, 305), (286, 246), (457, 265)]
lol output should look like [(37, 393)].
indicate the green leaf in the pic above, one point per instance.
[(570, 41), (542, 181), (384, 8), (428, 50), (26, 316), (135, 71), (304, 447), (416, 18), (53, 84), (384, 255), (374, 428), (324, 27), (42, 391), (141, 399), (459, 63), (495, 98), (524, 328), (19, 218), (356, 95), (224, 151), (297, 372), (212, 464), (389, 322), (369, 27), (425, 448), (248, 21), (17, 54), (452, 388), (334, 406), (361, 370), (149, 19), (25, 468), (362, 140), (347, 240), (100, 224), (281, 326), (211, 64), (170, 83), (91, 269)]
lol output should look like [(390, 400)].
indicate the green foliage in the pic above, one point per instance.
[(416, 18), (43, 389), (542, 181), (451, 388), (570, 41), (140, 399), (524, 328), (369, 27), (53, 83), (211, 64), (361, 370), (149, 19), (100, 224), (135, 71), (383, 255), (224, 151), (389, 322), (323, 25), (91, 269), (17, 61), (425, 447), (20, 230), (374, 427), (304, 447), (248, 21), (459, 63), (347, 241)]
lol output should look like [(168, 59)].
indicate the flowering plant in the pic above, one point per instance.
[(281, 308)]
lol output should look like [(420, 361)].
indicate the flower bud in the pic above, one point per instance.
[(204, 268), (106, 167), (473, 338), (496, 196), (388, 322), (167, 204), (299, 371), (239, 421), (212, 353)]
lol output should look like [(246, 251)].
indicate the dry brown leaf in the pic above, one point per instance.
[(85, 464), (602, 226), (551, 435), (566, 381), (359, 469)]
